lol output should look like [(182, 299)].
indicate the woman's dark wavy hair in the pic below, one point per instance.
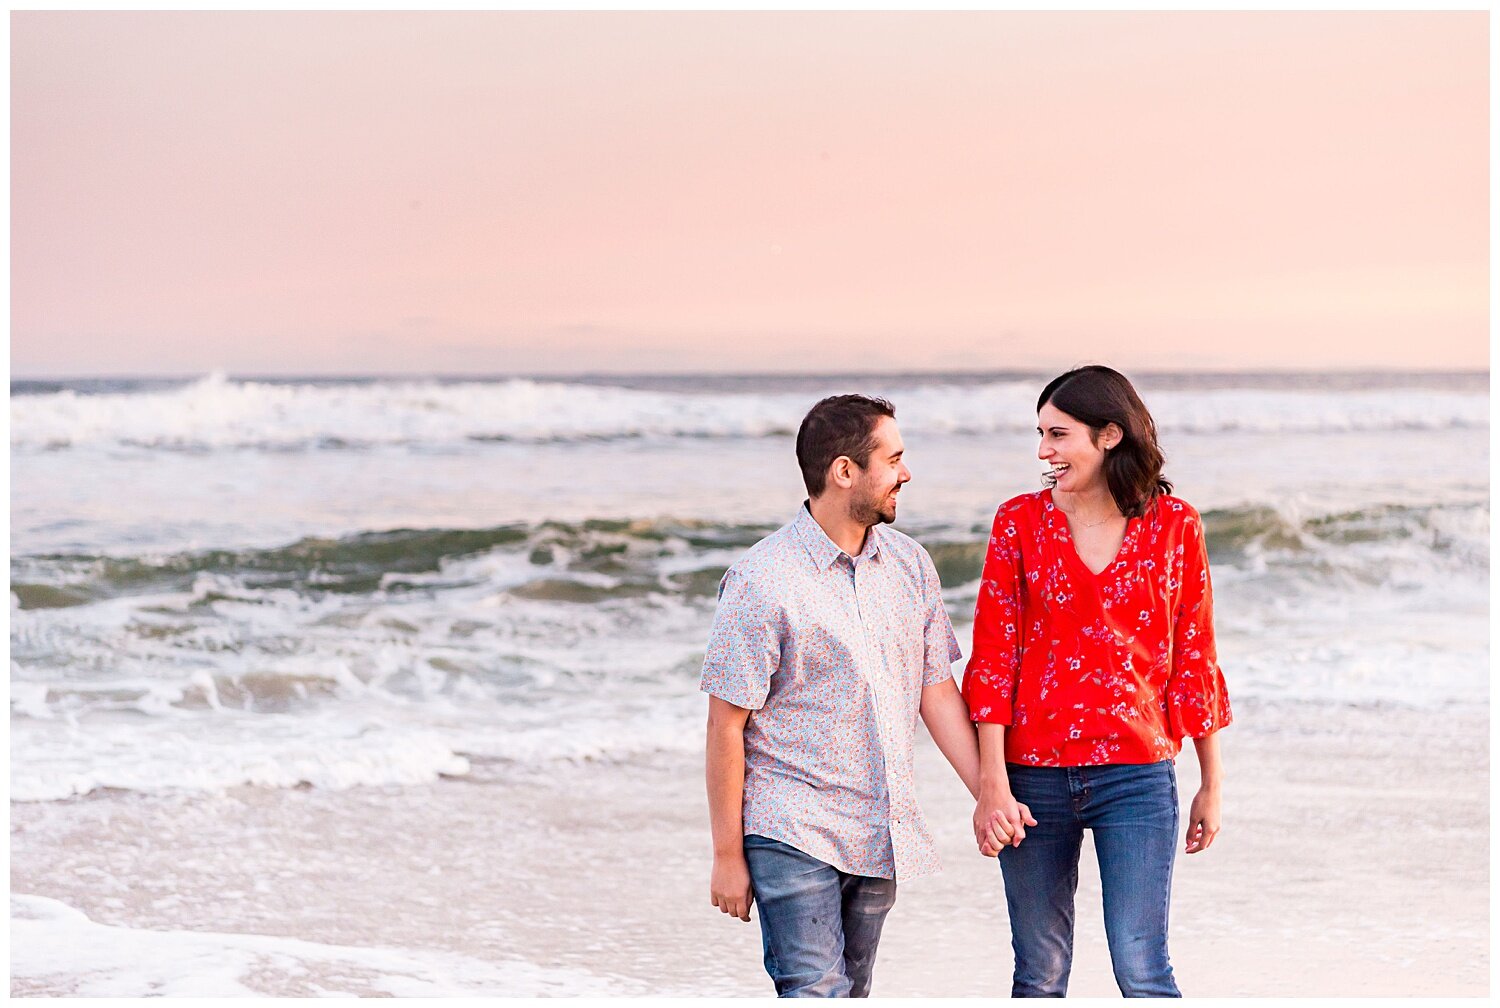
[(1099, 396)]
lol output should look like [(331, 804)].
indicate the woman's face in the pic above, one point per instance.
[(1068, 446)]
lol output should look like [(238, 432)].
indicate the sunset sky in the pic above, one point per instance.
[(547, 193)]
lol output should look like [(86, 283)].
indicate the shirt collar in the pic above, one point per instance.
[(823, 550)]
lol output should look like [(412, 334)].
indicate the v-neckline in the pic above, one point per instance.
[(1062, 518)]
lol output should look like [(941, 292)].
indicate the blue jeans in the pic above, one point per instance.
[(819, 926), (1132, 809)]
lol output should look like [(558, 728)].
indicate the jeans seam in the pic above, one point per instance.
[(1166, 892), (1073, 930)]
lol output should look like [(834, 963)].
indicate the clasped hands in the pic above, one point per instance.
[(1000, 821)]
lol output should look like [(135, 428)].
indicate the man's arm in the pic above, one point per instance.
[(725, 764), (947, 719), (944, 709)]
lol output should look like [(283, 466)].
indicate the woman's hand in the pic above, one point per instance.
[(1000, 821), (1203, 817), (1203, 820)]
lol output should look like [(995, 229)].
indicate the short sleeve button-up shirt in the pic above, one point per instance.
[(830, 653)]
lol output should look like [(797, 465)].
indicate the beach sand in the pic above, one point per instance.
[(1353, 861)]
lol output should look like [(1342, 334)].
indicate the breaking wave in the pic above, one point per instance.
[(220, 414)]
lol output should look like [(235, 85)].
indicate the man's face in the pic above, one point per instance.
[(878, 483)]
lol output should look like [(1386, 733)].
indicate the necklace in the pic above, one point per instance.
[(1087, 525)]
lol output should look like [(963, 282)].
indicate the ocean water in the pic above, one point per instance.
[(336, 583)]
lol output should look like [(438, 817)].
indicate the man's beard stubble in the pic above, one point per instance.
[(867, 512)]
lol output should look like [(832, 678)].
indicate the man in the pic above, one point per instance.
[(829, 639)]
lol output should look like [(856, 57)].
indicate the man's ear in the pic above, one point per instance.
[(841, 472)]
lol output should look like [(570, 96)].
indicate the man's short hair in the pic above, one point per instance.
[(838, 425)]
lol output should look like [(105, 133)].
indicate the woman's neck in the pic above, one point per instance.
[(1094, 501)]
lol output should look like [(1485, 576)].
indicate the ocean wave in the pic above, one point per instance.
[(1448, 535), (506, 620), (1375, 542), (398, 656), (563, 561), (217, 414), (597, 560)]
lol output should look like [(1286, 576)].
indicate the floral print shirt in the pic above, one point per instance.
[(830, 654), (1085, 668)]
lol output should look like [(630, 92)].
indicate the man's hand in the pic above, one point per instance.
[(1000, 821), (1203, 820), (730, 886), (990, 831)]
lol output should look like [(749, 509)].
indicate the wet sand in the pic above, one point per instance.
[(1354, 861)]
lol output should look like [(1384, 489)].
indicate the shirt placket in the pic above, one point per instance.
[(865, 581)]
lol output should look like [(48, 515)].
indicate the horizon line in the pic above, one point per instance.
[(820, 373)]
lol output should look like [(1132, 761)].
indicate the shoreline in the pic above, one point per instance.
[(1354, 861)]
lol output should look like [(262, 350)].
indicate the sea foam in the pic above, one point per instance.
[(56, 950), (218, 414)]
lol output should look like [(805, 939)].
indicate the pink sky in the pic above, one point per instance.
[(374, 193)]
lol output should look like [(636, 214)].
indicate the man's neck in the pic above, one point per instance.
[(833, 518)]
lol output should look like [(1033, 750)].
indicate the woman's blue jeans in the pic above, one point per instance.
[(819, 926), (1132, 809)]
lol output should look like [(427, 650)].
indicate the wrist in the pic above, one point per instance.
[(994, 787), (723, 852)]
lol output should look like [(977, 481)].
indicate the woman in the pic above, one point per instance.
[(1093, 657)]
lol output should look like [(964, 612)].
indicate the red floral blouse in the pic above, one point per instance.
[(1085, 668)]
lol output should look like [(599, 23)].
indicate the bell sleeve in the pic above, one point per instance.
[(1197, 699), (995, 659)]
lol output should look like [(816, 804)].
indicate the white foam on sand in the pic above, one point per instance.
[(324, 750), (56, 950)]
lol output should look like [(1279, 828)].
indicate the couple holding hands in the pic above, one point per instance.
[(1093, 657)]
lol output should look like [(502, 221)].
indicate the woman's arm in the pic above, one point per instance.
[(999, 820), (1203, 817), (990, 681), (1197, 701), (995, 659)]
